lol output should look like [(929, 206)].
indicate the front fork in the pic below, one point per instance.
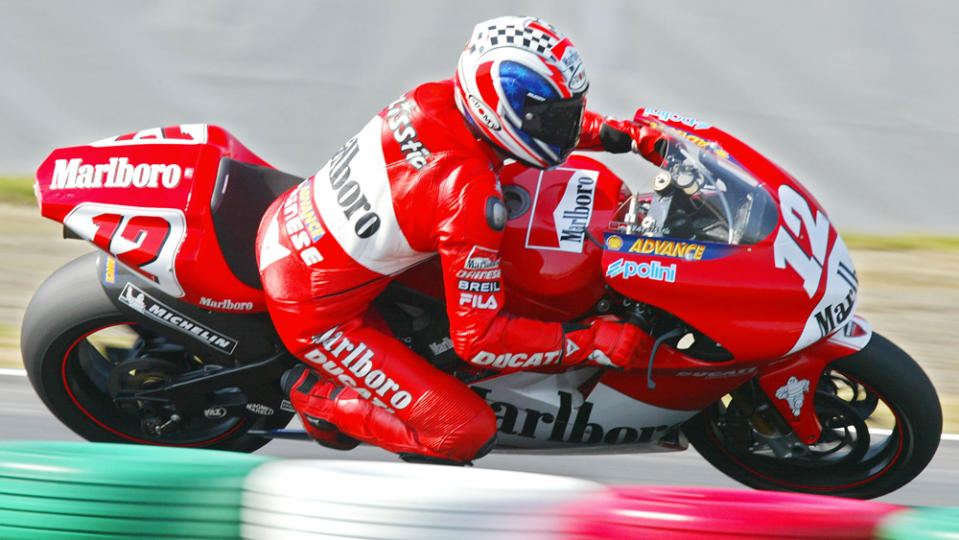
[(790, 384), (758, 419)]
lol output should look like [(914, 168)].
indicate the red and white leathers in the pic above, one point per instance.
[(413, 183)]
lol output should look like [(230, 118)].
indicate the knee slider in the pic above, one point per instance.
[(410, 457), (487, 447)]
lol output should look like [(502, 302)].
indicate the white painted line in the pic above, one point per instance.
[(945, 436), (13, 372)]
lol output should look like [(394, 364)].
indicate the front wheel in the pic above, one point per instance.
[(72, 341), (881, 423)]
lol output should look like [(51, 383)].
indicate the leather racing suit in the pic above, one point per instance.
[(414, 182)]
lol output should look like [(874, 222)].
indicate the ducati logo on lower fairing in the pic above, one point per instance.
[(794, 392)]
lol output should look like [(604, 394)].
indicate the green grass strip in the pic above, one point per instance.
[(17, 189), (901, 242)]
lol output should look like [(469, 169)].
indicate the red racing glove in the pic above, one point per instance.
[(606, 342), (620, 136)]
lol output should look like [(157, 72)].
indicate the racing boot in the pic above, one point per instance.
[(304, 380)]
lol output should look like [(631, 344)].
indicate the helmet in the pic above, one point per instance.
[(521, 85)]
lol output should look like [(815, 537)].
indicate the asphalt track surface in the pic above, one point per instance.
[(23, 416)]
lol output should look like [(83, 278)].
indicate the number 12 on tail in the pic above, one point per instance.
[(144, 239)]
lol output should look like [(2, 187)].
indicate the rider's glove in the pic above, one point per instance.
[(619, 136), (606, 342)]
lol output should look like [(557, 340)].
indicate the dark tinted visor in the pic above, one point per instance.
[(556, 122)]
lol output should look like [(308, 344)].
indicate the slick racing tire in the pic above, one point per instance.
[(376, 500), (880, 383), (73, 336)]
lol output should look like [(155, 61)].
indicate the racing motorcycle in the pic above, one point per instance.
[(760, 360)]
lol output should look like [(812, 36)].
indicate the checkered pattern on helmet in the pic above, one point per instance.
[(512, 34)]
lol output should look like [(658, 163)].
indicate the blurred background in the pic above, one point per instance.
[(856, 98)]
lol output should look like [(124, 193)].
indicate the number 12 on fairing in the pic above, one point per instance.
[(144, 239), (797, 215)]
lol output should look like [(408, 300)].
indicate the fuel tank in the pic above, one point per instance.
[(551, 253)]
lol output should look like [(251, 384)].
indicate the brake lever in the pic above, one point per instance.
[(652, 354)]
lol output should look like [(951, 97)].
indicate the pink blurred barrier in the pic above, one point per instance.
[(677, 513)]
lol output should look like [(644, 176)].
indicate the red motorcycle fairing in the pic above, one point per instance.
[(549, 278), (149, 199), (762, 298), (776, 302), (684, 383)]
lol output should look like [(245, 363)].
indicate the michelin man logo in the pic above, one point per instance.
[(794, 392), (136, 302)]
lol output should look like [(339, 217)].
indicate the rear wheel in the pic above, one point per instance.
[(881, 426), (73, 341)]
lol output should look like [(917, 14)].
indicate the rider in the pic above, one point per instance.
[(420, 179)]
